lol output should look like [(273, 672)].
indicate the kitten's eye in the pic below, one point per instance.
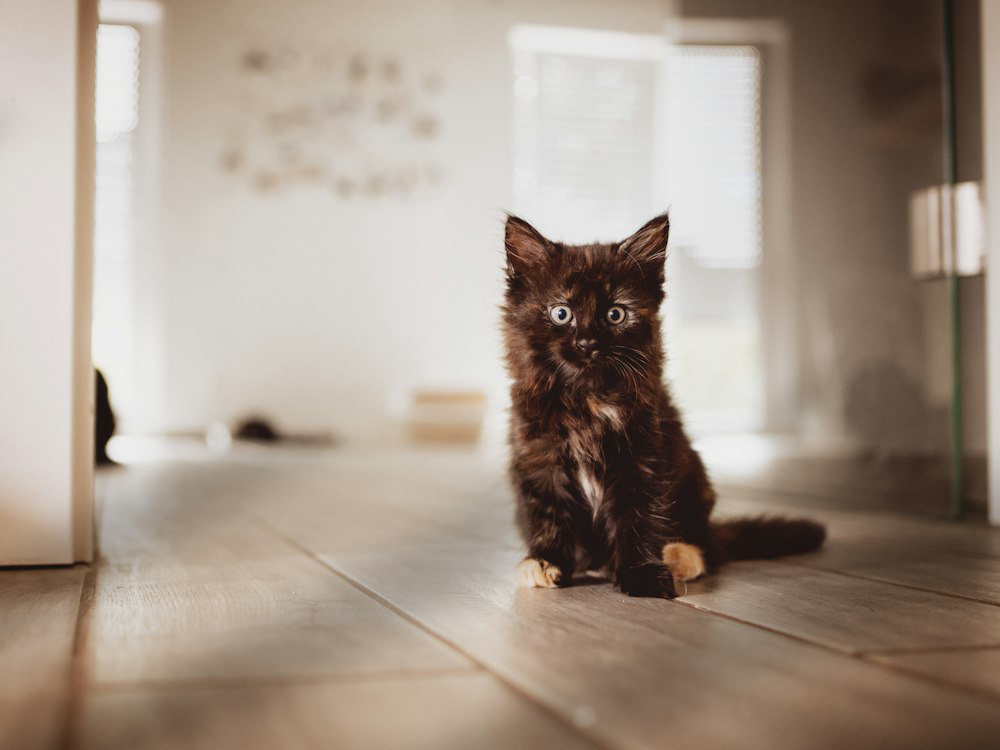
[(616, 315), (560, 314)]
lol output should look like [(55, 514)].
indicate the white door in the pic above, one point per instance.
[(46, 224)]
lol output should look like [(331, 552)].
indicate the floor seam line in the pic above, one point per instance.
[(509, 684), (929, 650), (875, 579), (792, 636), (77, 675), (279, 681), (856, 655), (865, 656), (984, 693)]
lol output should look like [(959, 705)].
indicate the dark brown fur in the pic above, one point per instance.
[(604, 473)]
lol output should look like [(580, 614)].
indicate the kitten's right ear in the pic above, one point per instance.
[(648, 248), (526, 248)]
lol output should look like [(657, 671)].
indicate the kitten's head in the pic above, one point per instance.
[(585, 313)]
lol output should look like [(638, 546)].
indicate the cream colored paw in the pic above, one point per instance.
[(538, 574), (684, 560)]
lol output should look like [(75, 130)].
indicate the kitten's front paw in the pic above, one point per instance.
[(538, 574), (647, 580)]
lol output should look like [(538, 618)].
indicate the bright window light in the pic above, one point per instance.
[(712, 142), (584, 129), (117, 116)]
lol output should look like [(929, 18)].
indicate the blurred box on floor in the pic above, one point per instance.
[(448, 416)]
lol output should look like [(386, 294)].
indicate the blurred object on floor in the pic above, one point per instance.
[(445, 415), (258, 429), (104, 420)]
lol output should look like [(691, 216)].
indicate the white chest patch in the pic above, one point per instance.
[(611, 414), (591, 488)]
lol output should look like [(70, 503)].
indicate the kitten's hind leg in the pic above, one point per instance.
[(685, 561)]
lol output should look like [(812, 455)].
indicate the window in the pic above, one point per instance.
[(610, 129), (584, 130), (712, 141)]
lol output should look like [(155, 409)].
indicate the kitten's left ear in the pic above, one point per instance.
[(648, 247)]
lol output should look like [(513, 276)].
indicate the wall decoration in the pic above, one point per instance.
[(360, 124)]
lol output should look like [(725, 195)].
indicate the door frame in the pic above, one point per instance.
[(990, 30)]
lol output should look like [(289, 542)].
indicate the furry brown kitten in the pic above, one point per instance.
[(605, 475)]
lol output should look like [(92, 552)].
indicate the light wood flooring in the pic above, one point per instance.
[(343, 599)]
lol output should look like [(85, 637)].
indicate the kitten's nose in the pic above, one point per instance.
[(587, 346)]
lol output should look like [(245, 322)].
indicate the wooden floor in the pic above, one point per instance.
[(347, 600)]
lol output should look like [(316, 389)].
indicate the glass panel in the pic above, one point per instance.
[(857, 352)]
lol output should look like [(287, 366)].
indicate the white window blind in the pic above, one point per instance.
[(711, 140), (583, 138)]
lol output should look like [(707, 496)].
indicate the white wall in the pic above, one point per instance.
[(46, 379), (307, 306), (314, 309)]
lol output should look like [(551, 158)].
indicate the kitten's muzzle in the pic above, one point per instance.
[(587, 347)]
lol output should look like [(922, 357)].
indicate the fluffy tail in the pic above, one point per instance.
[(763, 537)]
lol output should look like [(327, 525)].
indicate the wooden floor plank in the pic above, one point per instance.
[(38, 614), (969, 576), (189, 589), (650, 673), (880, 616), (458, 490), (974, 668), (842, 612), (446, 713), (287, 617), (364, 508), (226, 613)]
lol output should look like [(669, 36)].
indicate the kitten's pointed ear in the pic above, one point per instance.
[(526, 248), (648, 247)]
